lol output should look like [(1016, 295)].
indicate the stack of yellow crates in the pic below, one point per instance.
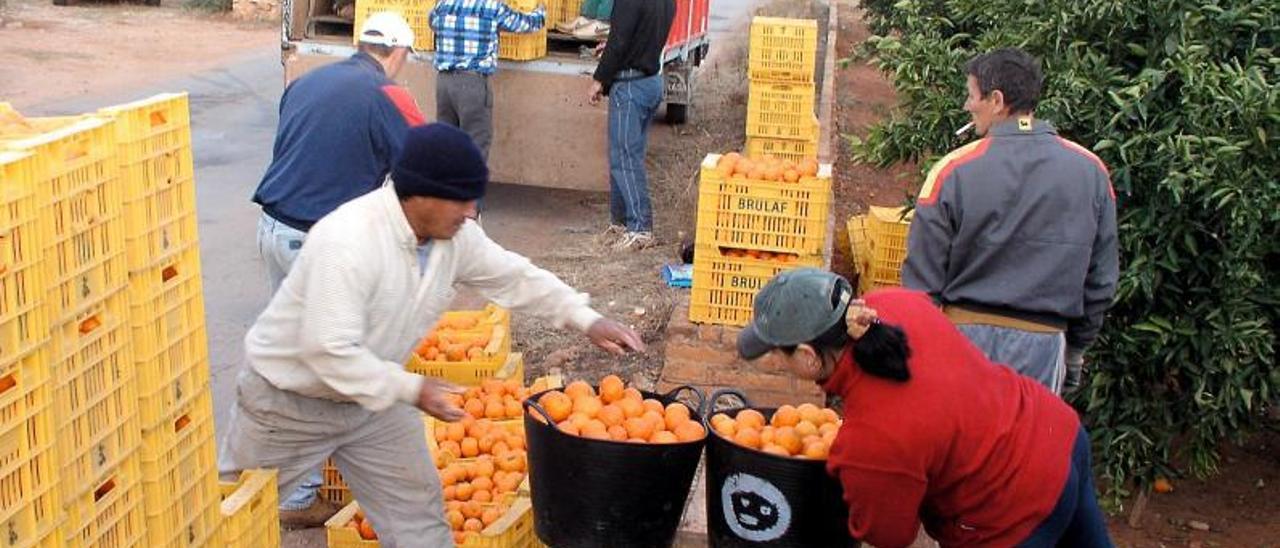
[(251, 511), (166, 319), (417, 13), (755, 222), (78, 199), (878, 246), (524, 46), (781, 95), (99, 250), (30, 499)]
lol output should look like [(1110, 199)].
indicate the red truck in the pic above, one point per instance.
[(545, 132)]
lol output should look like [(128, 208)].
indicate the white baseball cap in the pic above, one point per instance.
[(387, 28)]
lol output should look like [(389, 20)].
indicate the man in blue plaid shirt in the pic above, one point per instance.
[(467, 55)]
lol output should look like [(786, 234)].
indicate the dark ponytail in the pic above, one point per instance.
[(882, 352)]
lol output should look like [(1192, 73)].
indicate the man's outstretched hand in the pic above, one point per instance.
[(614, 337), (434, 401)]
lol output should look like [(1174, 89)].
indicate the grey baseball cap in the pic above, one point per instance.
[(795, 307)]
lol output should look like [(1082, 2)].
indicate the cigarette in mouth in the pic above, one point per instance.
[(962, 130)]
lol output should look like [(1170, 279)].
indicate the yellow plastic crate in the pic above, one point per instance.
[(250, 511), (153, 142), (783, 50), (180, 477), (174, 377), (95, 396), (781, 111), (77, 175), (418, 14), (887, 232), (23, 321), (472, 373), (725, 287), (170, 344), (783, 149), (513, 530), (160, 225), (561, 10), (522, 46), (30, 506), (763, 215), (859, 250), (109, 512), (85, 268)]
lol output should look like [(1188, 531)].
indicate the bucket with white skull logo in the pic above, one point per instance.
[(758, 499)]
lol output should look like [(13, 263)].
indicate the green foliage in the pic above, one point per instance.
[(209, 5), (1181, 99)]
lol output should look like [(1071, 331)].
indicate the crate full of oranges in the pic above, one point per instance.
[(768, 204), (506, 524), (465, 347)]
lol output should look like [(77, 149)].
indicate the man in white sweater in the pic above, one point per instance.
[(325, 375)]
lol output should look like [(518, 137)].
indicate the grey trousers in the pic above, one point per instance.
[(464, 99), (1041, 356), (382, 456)]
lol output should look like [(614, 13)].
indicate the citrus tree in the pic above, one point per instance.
[(1181, 99)]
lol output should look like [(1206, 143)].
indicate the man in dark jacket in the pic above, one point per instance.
[(630, 74), (1015, 233), (341, 126)]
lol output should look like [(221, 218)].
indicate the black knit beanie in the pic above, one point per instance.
[(441, 161)]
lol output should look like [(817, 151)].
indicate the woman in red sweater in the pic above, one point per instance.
[(933, 432)]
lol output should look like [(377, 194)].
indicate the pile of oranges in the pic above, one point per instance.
[(735, 253), (618, 413), (362, 526), (493, 399), (805, 431), (735, 166), (456, 339), (475, 491)]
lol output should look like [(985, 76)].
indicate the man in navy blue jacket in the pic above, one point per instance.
[(341, 126)]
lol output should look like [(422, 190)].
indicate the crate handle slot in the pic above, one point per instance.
[(89, 324), (181, 423), (104, 489), (169, 273), (7, 382), (158, 119)]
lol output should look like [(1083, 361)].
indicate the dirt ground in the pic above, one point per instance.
[(51, 53)]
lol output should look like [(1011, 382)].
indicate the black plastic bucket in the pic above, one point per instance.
[(758, 499), (593, 493)]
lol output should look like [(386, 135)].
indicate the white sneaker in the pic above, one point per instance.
[(592, 30), (568, 27), (634, 241)]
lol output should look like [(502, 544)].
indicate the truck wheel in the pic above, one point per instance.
[(677, 114)]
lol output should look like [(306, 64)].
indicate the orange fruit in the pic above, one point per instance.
[(479, 428), (570, 428), (515, 441), (511, 386), (455, 431), (726, 428), (450, 493), (1162, 485), (805, 429), (631, 407), (511, 409), (473, 524), (785, 416), (483, 468), (494, 409), (651, 404), (576, 389), (451, 447), (656, 418), (471, 509), (750, 418), (486, 443), (638, 427), (611, 415), (460, 537), (829, 415), (482, 496), (747, 437), (611, 388), (470, 447), (509, 483), (366, 531), (787, 438), (500, 448), (664, 437), (828, 427), (455, 519), (676, 413), (474, 407), (595, 430), (489, 516), (511, 462), (776, 450), (557, 404), (463, 491), (632, 394), (810, 412), (483, 483), (816, 451), (791, 175), (617, 432), (767, 435), (441, 433), (587, 405), (690, 431)]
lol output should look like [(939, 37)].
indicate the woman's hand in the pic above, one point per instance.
[(858, 317)]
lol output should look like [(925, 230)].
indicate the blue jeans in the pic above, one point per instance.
[(1076, 519), (632, 105), (279, 244)]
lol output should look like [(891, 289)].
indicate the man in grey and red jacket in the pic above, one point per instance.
[(1015, 233)]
